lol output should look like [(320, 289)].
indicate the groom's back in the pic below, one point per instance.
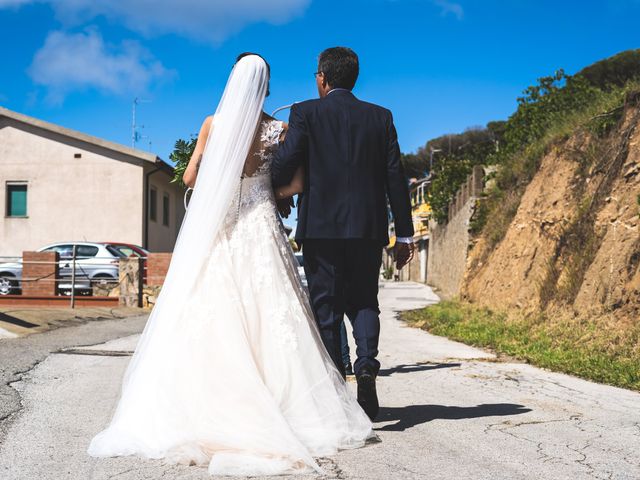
[(349, 143)]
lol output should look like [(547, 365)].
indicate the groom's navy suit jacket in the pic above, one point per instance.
[(350, 154)]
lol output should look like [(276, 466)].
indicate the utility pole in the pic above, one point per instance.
[(135, 136), (433, 150)]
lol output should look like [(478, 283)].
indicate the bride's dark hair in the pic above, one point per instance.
[(246, 54)]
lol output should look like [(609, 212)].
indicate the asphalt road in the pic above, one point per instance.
[(448, 411), (21, 355)]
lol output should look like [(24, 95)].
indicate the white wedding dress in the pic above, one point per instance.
[(246, 385)]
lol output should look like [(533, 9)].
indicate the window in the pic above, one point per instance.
[(118, 251), (122, 251), (86, 251), (16, 199), (65, 251), (165, 209), (153, 204)]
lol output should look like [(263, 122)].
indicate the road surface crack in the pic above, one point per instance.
[(98, 353), (8, 416)]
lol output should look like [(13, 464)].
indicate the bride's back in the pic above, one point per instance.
[(265, 142)]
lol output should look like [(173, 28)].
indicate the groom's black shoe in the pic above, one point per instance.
[(367, 396)]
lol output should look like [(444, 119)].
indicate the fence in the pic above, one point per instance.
[(472, 187), (44, 278)]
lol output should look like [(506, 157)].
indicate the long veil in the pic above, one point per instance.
[(235, 124), (230, 369)]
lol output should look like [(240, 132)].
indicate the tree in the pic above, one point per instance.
[(613, 71), (181, 155)]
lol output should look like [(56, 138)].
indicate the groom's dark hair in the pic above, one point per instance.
[(340, 67)]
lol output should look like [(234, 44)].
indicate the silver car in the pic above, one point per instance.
[(95, 263)]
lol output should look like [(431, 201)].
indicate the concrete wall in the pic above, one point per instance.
[(162, 237), (97, 197), (449, 242)]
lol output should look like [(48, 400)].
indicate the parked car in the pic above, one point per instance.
[(300, 260), (128, 249), (10, 273), (95, 264)]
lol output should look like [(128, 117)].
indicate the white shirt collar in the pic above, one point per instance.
[(336, 89)]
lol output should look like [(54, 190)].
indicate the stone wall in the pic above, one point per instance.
[(449, 242), (130, 282)]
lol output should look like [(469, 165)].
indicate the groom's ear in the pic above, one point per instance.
[(322, 84)]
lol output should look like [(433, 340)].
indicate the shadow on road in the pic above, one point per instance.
[(416, 367), (16, 321), (412, 415)]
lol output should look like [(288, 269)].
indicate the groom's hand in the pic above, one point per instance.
[(403, 253), (284, 206)]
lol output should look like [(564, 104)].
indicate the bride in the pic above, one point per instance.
[(230, 370)]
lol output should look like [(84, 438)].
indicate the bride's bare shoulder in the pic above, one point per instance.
[(206, 126)]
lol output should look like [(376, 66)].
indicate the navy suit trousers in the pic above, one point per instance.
[(343, 279)]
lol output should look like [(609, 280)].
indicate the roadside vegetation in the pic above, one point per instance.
[(598, 349), (548, 112), (588, 107)]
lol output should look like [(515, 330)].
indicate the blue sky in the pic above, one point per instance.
[(439, 65)]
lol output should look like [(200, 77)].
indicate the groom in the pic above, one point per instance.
[(351, 158)]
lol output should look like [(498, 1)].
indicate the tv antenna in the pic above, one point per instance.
[(135, 135)]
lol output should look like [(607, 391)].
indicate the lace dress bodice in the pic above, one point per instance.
[(254, 193), (267, 139)]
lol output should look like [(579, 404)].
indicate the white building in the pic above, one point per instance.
[(63, 185)]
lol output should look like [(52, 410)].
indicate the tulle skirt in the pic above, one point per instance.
[(241, 382)]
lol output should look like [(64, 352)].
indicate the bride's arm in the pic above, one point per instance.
[(191, 172), (296, 186)]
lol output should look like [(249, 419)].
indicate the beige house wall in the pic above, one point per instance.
[(162, 237), (97, 197)]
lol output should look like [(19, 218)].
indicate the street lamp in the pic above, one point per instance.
[(433, 150)]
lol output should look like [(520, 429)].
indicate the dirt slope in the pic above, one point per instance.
[(574, 241)]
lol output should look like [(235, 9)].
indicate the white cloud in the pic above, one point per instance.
[(72, 61), (13, 3), (205, 20), (69, 61), (447, 7)]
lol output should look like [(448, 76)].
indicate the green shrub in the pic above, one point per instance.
[(547, 113)]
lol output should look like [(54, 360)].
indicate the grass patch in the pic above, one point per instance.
[(603, 349)]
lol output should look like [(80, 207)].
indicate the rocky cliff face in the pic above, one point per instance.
[(574, 241)]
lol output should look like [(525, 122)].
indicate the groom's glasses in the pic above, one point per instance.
[(318, 73)]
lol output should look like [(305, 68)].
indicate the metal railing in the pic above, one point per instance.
[(75, 279)]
